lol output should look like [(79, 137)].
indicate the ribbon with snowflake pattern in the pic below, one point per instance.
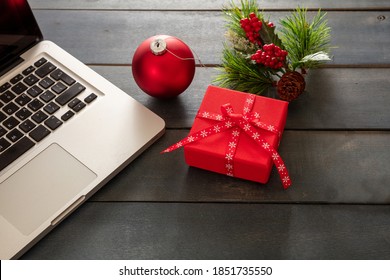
[(237, 123)]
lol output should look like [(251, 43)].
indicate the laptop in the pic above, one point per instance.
[(65, 131)]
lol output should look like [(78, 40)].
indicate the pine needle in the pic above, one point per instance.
[(302, 38), (239, 73)]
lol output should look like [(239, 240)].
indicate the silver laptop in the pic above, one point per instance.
[(64, 131)]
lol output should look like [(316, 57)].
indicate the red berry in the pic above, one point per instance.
[(270, 56), (252, 26)]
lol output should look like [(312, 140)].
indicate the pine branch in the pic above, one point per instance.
[(239, 73), (256, 55), (302, 38)]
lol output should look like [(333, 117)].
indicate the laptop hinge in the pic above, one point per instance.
[(10, 65)]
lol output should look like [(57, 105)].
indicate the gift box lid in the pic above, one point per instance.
[(272, 111)]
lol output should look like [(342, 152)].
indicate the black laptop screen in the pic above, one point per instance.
[(18, 29)]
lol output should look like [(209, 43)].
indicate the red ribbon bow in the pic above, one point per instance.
[(237, 123)]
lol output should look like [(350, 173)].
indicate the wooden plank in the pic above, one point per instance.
[(111, 37), (325, 167), (204, 5), (219, 231), (343, 99), (336, 98)]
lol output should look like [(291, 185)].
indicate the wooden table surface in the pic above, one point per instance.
[(336, 144)]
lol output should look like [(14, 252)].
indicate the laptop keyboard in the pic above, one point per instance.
[(29, 107)]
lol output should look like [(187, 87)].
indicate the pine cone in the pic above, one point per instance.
[(291, 85)]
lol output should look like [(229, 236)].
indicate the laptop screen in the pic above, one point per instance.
[(18, 30)]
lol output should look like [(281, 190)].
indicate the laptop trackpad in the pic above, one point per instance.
[(42, 187)]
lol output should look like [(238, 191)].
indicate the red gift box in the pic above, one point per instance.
[(237, 134)]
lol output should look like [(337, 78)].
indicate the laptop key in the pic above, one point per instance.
[(4, 144), (15, 151), (23, 113), (7, 96), (14, 135), (16, 79), (35, 105), (39, 116), (45, 69), (19, 88), (46, 83), (10, 108), (47, 96), (11, 122), (23, 99), (4, 87), (34, 91), (79, 106), (59, 87), (28, 70), (27, 125), (31, 79), (53, 123), (67, 79), (67, 116), (70, 93), (73, 103), (39, 133), (90, 98), (58, 74), (51, 108), (40, 62)]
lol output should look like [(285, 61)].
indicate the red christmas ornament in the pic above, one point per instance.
[(163, 66)]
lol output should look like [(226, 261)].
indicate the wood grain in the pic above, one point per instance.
[(325, 167), (219, 231), (114, 37), (341, 98), (205, 4)]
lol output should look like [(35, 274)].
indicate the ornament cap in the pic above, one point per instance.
[(158, 46)]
